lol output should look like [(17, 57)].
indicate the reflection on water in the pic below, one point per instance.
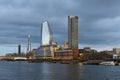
[(49, 71)]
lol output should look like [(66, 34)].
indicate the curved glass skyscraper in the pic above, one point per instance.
[(46, 35)]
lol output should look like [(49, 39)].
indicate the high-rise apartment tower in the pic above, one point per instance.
[(19, 49), (73, 32)]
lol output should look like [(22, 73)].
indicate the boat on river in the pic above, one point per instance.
[(108, 63), (92, 62)]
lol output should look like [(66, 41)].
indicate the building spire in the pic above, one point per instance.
[(29, 44)]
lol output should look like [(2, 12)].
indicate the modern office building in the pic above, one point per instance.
[(46, 34), (73, 32), (73, 35), (46, 40)]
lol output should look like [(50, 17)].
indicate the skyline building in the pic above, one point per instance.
[(19, 49), (29, 44), (46, 39), (116, 51), (46, 34), (73, 32)]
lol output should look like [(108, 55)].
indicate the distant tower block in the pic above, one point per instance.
[(73, 32), (28, 45), (19, 49), (73, 35)]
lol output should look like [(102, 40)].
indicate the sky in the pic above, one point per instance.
[(99, 22)]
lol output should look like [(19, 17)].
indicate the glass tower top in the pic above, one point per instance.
[(46, 36)]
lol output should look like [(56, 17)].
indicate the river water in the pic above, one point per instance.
[(56, 71)]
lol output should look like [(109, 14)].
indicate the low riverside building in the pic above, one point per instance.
[(116, 51), (47, 51), (65, 44), (63, 55), (115, 56), (32, 54), (53, 48), (87, 50)]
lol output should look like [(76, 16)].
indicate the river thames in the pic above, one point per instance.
[(56, 71)]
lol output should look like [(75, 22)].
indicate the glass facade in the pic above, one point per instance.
[(40, 51), (45, 34)]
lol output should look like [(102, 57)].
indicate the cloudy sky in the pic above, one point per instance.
[(99, 22)]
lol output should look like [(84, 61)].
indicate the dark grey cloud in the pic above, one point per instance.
[(98, 21)]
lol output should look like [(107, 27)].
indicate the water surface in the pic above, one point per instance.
[(57, 71)]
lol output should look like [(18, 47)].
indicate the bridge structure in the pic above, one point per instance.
[(20, 58), (5, 57)]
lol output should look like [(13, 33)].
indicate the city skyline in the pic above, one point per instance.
[(98, 22)]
